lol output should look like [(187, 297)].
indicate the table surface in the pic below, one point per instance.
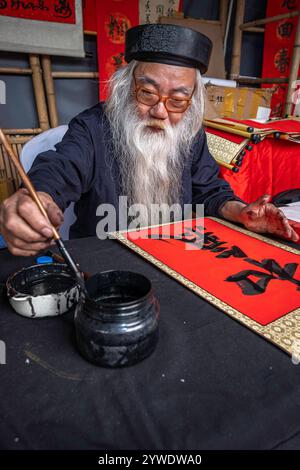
[(210, 384)]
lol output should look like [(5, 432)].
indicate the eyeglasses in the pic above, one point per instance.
[(149, 98)]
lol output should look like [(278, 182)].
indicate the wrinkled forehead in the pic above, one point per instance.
[(165, 77)]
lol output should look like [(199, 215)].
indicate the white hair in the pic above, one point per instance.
[(151, 163)]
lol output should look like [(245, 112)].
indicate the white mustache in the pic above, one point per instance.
[(155, 123)]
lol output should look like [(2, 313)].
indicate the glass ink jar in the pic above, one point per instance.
[(118, 324)]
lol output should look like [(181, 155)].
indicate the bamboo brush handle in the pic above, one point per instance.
[(26, 181)]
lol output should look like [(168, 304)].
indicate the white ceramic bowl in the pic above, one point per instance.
[(42, 290)]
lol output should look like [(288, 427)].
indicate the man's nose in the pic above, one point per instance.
[(159, 111)]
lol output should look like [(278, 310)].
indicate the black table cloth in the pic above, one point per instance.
[(210, 384)]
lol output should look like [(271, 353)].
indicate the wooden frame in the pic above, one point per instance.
[(255, 27)]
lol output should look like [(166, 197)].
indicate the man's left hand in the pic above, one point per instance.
[(263, 217)]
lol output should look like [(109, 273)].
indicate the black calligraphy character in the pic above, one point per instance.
[(160, 9), (285, 29), (118, 60), (115, 29), (234, 251), (213, 243), (63, 9), (111, 26), (282, 60), (190, 235), (275, 271), (3, 4), (40, 5), (15, 5), (124, 27), (290, 4)]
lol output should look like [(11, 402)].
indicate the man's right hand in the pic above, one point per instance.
[(24, 228)]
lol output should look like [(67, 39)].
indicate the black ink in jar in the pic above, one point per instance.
[(118, 324)]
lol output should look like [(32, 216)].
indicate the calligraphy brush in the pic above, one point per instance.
[(29, 186), (60, 259)]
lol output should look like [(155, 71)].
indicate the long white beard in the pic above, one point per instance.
[(151, 163)]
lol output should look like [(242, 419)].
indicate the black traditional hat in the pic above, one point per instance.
[(168, 44)]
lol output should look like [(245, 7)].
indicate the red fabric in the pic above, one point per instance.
[(272, 166), (269, 168), (89, 15), (210, 271), (47, 10), (278, 49), (114, 17)]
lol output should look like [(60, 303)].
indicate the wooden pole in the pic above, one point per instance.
[(223, 16), (26, 180), (39, 91), (50, 91), (254, 29), (15, 71), (20, 139), (268, 20), (231, 124), (256, 80), (226, 165), (237, 41), (56, 74), (22, 131), (66, 74), (229, 129), (294, 71)]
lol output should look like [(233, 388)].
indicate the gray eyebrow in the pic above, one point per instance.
[(182, 89), (147, 80)]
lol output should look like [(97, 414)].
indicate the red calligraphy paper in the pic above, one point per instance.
[(256, 278), (59, 11)]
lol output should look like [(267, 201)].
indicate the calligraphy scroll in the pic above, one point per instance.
[(39, 27), (89, 15), (114, 18), (278, 49), (152, 10), (251, 278), (60, 11)]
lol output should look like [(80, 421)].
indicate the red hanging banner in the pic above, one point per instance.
[(58, 11), (89, 15), (278, 49), (114, 17)]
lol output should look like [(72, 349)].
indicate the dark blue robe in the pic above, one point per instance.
[(84, 169)]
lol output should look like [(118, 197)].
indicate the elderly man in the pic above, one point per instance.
[(146, 142)]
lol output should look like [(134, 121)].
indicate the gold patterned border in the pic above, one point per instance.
[(223, 150), (284, 332)]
